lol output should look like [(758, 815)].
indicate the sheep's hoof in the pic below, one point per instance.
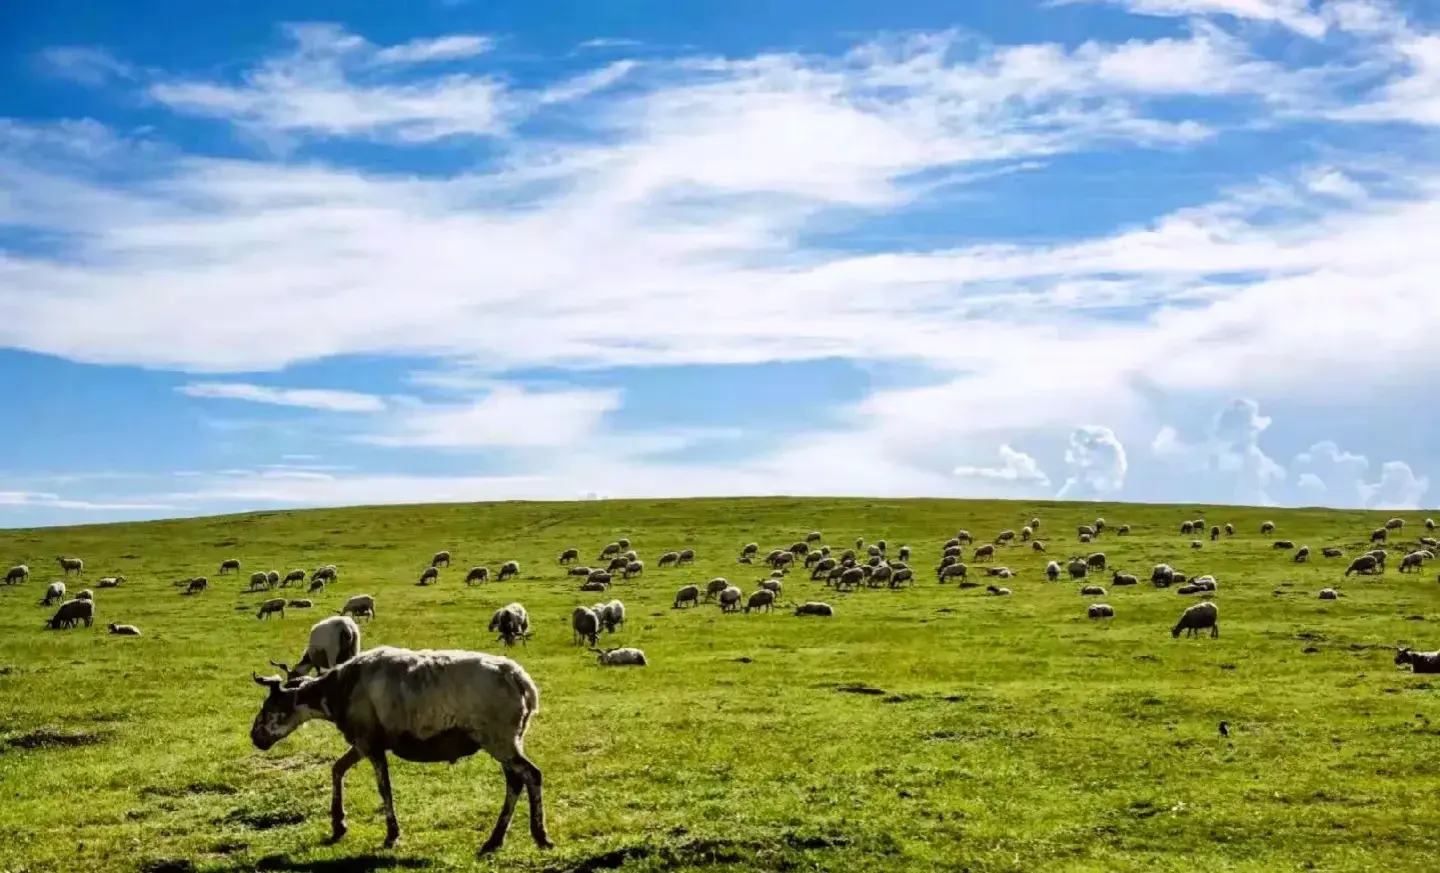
[(490, 847), (391, 840), (337, 834)]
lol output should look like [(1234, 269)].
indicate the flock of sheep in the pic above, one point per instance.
[(444, 705)]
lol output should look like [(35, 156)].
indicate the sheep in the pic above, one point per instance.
[(1214, 532), (1077, 568), (71, 565), (730, 599), (274, 604), (687, 556), (1123, 530), (619, 562), (773, 585), (110, 582), (124, 630), (1429, 524), (824, 566), (327, 573), (1026, 533), (257, 581), (1121, 579), (1085, 538), (880, 544), (599, 577), (812, 559), (1205, 583), (905, 553), (783, 561), (799, 549), (1096, 561), (1187, 528), (1333, 552), (1162, 575), (689, 594), (881, 575), (1037, 546), (1004, 536), (634, 568), (430, 574), (668, 558), (902, 576), (814, 607), (1364, 565), (592, 585), (1196, 544), (1189, 589), (291, 577), (442, 557), (586, 625), (1420, 662), (421, 705), (1085, 532), (316, 587), (1378, 535), (359, 604), (1395, 524), (229, 565), (301, 603), (511, 622), (750, 549), (1003, 572), (1267, 527), (1092, 591), (850, 577), (1302, 555), (196, 585), (1052, 570), (577, 570), (825, 551), (621, 657), (1431, 542), (624, 542), (813, 537), (333, 641), (1379, 555), (999, 592), (1100, 610), (71, 613), (85, 594), (964, 536), (16, 574), (1328, 594), (1282, 545), (715, 586), (1034, 524), (874, 552), (761, 599), (54, 592), (1196, 618), (984, 553), (954, 571), (1412, 561), (477, 575), (509, 570), (610, 550), (1229, 530), (953, 552)]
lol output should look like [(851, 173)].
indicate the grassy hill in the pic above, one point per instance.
[(929, 728)]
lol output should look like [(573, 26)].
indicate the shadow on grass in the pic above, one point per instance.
[(355, 864), (778, 853)]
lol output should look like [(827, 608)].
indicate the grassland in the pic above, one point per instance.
[(922, 729)]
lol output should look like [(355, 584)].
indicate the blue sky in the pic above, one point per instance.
[(298, 254)]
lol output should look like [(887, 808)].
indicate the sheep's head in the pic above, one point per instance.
[(1402, 655), (286, 707)]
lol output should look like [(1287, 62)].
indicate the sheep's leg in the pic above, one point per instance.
[(514, 782), (382, 781), (533, 792), (337, 792)]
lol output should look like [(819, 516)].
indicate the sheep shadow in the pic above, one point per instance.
[(367, 863)]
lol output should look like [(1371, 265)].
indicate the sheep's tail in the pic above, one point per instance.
[(525, 689)]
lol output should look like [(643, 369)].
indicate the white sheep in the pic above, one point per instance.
[(1092, 591), (1100, 610), (612, 615), (511, 622), (715, 586), (17, 573), (333, 641), (1052, 570), (761, 599), (273, 605), (1196, 618), (359, 604), (1328, 594), (509, 569), (814, 607), (998, 592), (621, 657), (1412, 561), (730, 599), (689, 594), (124, 630), (586, 625), (228, 565), (54, 593)]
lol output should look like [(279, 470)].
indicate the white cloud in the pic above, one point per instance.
[(1398, 488), (1293, 14), (1230, 452), (507, 417), (445, 48), (330, 401), (87, 65), (46, 500), (1014, 466), (1097, 464), (1332, 474)]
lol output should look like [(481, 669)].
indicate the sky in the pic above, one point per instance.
[(300, 254)]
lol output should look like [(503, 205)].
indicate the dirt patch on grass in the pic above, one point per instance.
[(781, 853), (49, 738)]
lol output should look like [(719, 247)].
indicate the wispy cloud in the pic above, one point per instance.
[(444, 48), (505, 417), (46, 500), (330, 401), (1014, 466), (1296, 15), (87, 65)]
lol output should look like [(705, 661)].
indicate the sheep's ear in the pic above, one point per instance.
[(271, 682)]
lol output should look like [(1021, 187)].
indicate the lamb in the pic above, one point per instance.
[(1420, 662), (477, 575), (229, 565), (1035, 524), (761, 599), (425, 705), (954, 571), (54, 592), (715, 586), (621, 657), (196, 585), (301, 603), (257, 581), (71, 613), (612, 615), (291, 577), (1085, 538), (1052, 571), (634, 568), (586, 625), (1096, 561), (333, 641), (1333, 552), (124, 630), (16, 574), (430, 574), (511, 622), (440, 558), (999, 592), (1395, 524), (984, 553), (509, 569), (316, 587), (1100, 610), (1092, 591), (71, 565), (274, 604), (1302, 555), (1078, 568), (1196, 544), (668, 558), (1267, 527), (1196, 618), (750, 549), (359, 604), (1118, 578), (569, 555), (1364, 565), (730, 599), (689, 594), (814, 607), (687, 556), (1328, 594), (773, 585), (1037, 546), (110, 582)]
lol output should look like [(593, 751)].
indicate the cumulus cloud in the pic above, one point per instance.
[(507, 417), (1331, 475), (1230, 452), (311, 398), (1398, 488), (1097, 463), (1014, 466)]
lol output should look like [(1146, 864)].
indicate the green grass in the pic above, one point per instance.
[(1009, 733)]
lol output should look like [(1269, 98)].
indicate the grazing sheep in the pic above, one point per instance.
[(1420, 662), (422, 706), (18, 573), (1037, 546), (1283, 544), (946, 562), (1267, 527), (1052, 570), (953, 552), (783, 561), (509, 570), (813, 537), (54, 592), (111, 582), (761, 599), (1379, 555), (902, 576), (592, 585), (1123, 530), (510, 623), (999, 592), (824, 566), (634, 568), (1229, 530), (229, 565), (196, 585), (1162, 575), (578, 570), (1196, 544), (610, 550), (799, 549), (1092, 591), (715, 586), (1395, 524), (1412, 561), (880, 544), (1026, 533), (1364, 565), (1302, 555), (687, 556), (859, 543), (1431, 542), (624, 542), (1333, 552), (1004, 536), (730, 599), (569, 555), (1429, 524), (1100, 610), (689, 594), (1196, 618), (1187, 528), (440, 558), (274, 604), (668, 558), (964, 536), (1096, 561), (621, 657), (1328, 594), (316, 587), (814, 607), (1214, 532), (359, 604), (954, 571), (333, 641), (984, 553), (619, 562), (124, 630), (1118, 578), (477, 575), (272, 578), (71, 613), (1098, 525), (1077, 568), (880, 575), (874, 552), (71, 565), (750, 549), (85, 594), (905, 553), (850, 577), (812, 559), (1085, 530), (257, 581), (1378, 535), (301, 604), (291, 577), (586, 625), (327, 573), (774, 586)]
